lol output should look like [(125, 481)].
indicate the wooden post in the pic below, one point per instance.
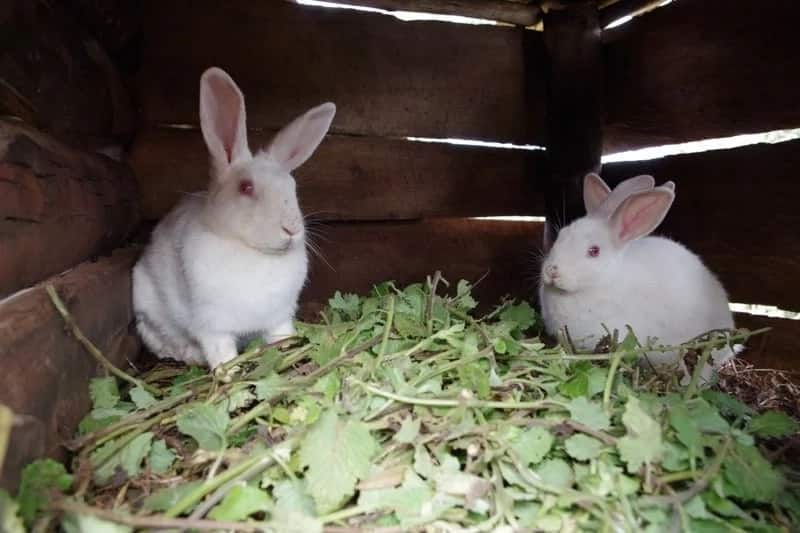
[(574, 109)]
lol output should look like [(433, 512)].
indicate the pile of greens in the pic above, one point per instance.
[(402, 411)]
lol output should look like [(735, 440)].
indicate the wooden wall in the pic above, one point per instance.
[(63, 207)]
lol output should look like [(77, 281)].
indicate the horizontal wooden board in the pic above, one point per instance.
[(58, 206), (359, 255), (387, 77), (739, 210), (359, 178), (698, 69), (56, 77), (45, 371), (778, 348)]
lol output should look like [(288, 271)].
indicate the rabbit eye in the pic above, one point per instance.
[(594, 251), (246, 187)]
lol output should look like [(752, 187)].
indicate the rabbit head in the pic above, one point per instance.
[(252, 198), (589, 252)]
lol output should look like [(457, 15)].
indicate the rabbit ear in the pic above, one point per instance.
[(640, 214), (595, 191), (223, 118), (623, 190), (295, 143), (668, 185)]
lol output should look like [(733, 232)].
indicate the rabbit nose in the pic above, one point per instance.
[(552, 271), (290, 232)]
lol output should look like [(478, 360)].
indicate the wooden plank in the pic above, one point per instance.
[(45, 372), (58, 206), (58, 78), (517, 13), (362, 254), (387, 77), (574, 108), (699, 69), (739, 210), (359, 178), (779, 348)]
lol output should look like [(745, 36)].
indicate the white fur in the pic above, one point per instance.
[(225, 264), (653, 284)]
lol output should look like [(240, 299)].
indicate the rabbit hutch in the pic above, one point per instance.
[(456, 147)]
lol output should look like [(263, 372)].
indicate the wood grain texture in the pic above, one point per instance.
[(359, 178), (55, 76), (362, 254), (738, 209), (45, 371), (517, 13), (778, 348), (698, 69), (387, 77), (58, 206), (574, 109)]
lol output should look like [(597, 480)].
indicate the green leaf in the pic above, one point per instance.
[(464, 299), (773, 424), (406, 501), (349, 305), (577, 386), (39, 479), (556, 473), (409, 430), (522, 315), (750, 476), (86, 523), (642, 444), (90, 424), (165, 498), (533, 445), (685, 428), (206, 424), (337, 453), (589, 413), (583, 447), (190, 374), (141, 397), (103, 392), (161, 457), (727, 404), (240, 502), (239, 399), (132, 455), (268, 387), (10, 521), (291, 497), (473, 377)]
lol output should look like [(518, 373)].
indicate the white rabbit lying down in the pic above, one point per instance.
[(231, 262), (604, 270)]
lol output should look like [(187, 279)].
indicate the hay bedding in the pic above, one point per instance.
[(402, 411)]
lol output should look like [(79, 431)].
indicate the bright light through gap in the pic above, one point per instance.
[(770, 311), (407, 16), (472, 142)]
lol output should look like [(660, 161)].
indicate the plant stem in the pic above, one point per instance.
[(387, 329), (435, 402), (259, 462), (157, 522), (691, 390), (93, 350), (612, 370)]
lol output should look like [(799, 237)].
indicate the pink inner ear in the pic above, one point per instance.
[(634, 219)]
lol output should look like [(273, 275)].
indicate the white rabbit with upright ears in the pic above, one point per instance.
[(604, 270), (231, 262)]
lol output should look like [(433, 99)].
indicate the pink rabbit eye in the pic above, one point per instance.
[(246, 187), (594, 251)]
